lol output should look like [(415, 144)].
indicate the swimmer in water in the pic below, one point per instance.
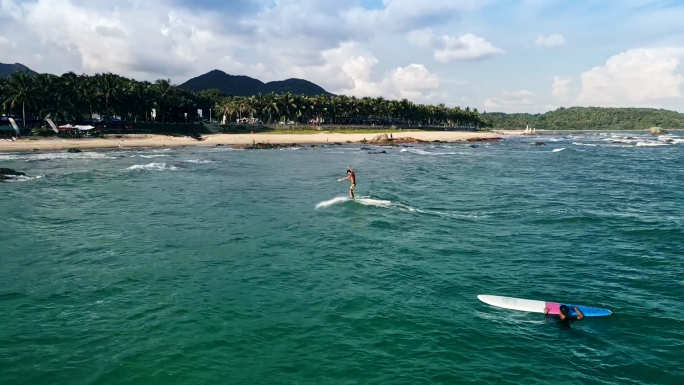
[(352, 178), (565, 316)]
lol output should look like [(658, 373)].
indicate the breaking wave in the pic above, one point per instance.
[(21, 178), (47, 156), (152, 166), (423, 152), (197, 161)]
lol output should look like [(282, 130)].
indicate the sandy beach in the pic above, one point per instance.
[(46, 144)]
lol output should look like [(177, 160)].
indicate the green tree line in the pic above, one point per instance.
[(587, 118), (75, 98)]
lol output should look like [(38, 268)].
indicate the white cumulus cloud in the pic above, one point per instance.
[(560, 87), (550, 41), (348, 70), (518, 101), (455, 48), (634, 76)]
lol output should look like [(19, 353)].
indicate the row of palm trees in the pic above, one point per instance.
[(341, 110), (75, 98)]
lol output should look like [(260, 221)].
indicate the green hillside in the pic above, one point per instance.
[(588, 118)]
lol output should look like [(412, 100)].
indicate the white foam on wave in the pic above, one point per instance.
[(423, 152), (584, 144), (374, 202), (152, 156), (363, 201), (558, 149), (152, 166), (197, 161), (453, 215), (670, 139), (21, 178), (650, 144), (331, 202), (56, 156)]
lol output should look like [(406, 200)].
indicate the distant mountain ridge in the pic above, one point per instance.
[(238, 85), (8, 69)]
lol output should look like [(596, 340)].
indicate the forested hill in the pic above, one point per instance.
[(8, 69), (584, 118), (246, 86)]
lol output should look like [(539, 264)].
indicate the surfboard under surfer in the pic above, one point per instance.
[(564, 314), (352, 178)]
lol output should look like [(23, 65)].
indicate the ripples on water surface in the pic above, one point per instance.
[(208, 265)]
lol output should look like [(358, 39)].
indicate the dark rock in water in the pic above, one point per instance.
[(366, 148), (496, 139), (349, 141), (437, 141), (74, 150), (474, 146), (539, 144), (35, 149), (337, 144), (6, 173), (313, 145), (378, 152)]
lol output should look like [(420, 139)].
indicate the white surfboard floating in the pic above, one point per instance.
[(539, 306)]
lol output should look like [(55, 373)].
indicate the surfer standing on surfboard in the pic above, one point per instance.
[(352, 178)]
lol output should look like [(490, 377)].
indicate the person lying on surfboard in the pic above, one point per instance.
[(565, 313), (352, 178)]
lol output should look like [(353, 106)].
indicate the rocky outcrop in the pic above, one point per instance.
[(74, 150), (407, 140), (657, 131), (539, 144), (494, 139), (382, 138), (8, 173)]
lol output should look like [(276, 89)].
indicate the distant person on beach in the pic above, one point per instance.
[(565, 316), (352, 178)]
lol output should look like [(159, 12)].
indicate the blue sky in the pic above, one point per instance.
[(494, 55)]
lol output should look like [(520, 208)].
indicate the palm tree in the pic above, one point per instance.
[(108, 88), (141, 100), (3, 84), (165, 94), (288, 105), (270, 106), (21, 89), (227, 107)]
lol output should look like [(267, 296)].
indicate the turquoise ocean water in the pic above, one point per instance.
[(216, 266)]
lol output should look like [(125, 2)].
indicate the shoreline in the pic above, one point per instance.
[(240, 140)]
